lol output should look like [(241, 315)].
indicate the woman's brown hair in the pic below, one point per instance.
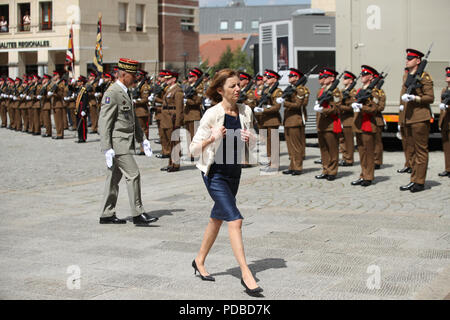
[(218, 82)]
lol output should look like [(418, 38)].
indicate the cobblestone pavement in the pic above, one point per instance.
[(304, 238)]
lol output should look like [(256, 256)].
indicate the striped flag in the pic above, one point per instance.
[(70, 55), (98, 56)]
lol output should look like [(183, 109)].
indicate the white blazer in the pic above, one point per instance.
[(214, 117)]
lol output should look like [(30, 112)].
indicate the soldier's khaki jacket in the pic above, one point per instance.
[(57, 98), (419, 111), (142, 102), (172, 108), (192, 109), (118, 125), (367, 114), (325, 120), (380, 100), (444, 116), (294, 107), (271, 117), (346, 110)]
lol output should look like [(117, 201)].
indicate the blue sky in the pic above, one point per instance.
[(222, 3)]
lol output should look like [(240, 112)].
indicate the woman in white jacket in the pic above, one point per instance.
[(221, 168)]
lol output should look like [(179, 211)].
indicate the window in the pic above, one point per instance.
[(140, 9), (46, 16), (223, 25), (308, 59), (255, 24), (187, 24), (322, 29), (4, 18), (123, 14), (24, 17), (238, 25)]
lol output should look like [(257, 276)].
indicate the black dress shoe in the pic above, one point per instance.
[(417, 187), (407, 187), (377, 166), (112, 220), (141, 153), (173, 169), (322, 176), (318, 161), (252, 292), (204, 278), (143, 219), (405, 170), (357, 182), (331, 177), (57, 138), (366, 183), (80, 141), (296, 172), (36, 134), (45, 135), (244, 166), (161, 156), (165, 168), (444, 174), (288, 171), (346, 164)]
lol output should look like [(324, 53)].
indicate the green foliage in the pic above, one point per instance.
[(237, 60)]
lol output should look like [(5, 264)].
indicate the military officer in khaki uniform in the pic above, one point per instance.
[(56, 93), (407, 145), (259, 88), (444, 124), (347, 143), (32, 85), (46, 105), (156, 101), (365, 127), (3, 112), (119, 129), (36, 107), (16, 98), (193, 103), (172, 119), (270, 118), (293, 122), (9, 103), (417, 118), (329, 126), (93, 97), (381, 104), (247, 97), (23, 104), (142, 92)]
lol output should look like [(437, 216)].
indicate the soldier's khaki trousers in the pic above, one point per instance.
[(93, 110), (11, 116), (123, 165), (419, 133), (58, 115), (446, 148), (272, 133), (379, 146), (348, 145), (329, 152), (296, 148), (366, 149), (3, 115), (408, 147), (46, 118), (36, 120)]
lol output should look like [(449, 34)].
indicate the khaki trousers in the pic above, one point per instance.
[(17, 119), (366, 149), (348, 145), (58, 115), (274, 159), (36, 121), (379, 146), (419, 133), (329, 152), (46, 118), (143, 122), (3, 115), (408, 147), (165, 135), (93, 110), (296, 148), (11, 117), (123, 165), (446, 148), (24, 115)]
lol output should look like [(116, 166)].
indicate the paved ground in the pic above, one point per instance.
[(304, 238)]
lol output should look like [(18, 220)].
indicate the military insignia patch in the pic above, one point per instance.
[(107, 100)]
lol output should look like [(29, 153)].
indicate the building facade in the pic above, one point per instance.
[(34, 37)]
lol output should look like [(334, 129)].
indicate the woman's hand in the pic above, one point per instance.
[(217, 133), (245, 135)]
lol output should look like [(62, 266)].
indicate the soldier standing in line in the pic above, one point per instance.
[(407, 143), (329, 125), (381, 104), (93, 95), (46, 105), (29, 103), (417, 118), (56, 95), (9, 104), (141, 93), (81, 109), (23, 103), (172, 119), (269, 114), (365, 127), (16, 98), (321, 80), (294, 126), (346, 115), (70, 100), (247, 97), (193, 103), (3, 113), (36, 107), (156, 101), (444, 124)]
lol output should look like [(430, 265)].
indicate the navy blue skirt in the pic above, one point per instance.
[(223, 189)]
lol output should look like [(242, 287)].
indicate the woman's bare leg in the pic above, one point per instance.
[(211, 232)]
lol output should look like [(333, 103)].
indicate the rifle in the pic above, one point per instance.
[(190, 91), (346, 93), (55, 86), (136, 92), (243, 93), (413, 80), (365, 94), (266, 95), (290, 90), (329, 93)]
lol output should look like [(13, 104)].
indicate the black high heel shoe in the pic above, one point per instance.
[(252, 292), (204, 278)]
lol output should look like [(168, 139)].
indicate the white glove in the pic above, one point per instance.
[(258, 109), (73, 95), (401, 107), (15, 98), (83, 114), (109, 157), (66, 98), (49, 93), (100, 81), (280, 100), (73, 81), (22, 95), (28, 98), (398, 128), (318, 108), (408, 97), (147, 148), (11, 96), (443, 106), (134, 100), (39, 97), (152, 97), (97, 94), (184, 100)]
